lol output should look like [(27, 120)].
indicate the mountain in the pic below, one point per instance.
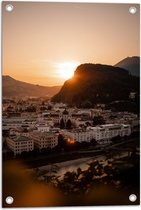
[(96, 83), (12, 88), (132, 64)]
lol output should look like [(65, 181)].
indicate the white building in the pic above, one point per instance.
[(18, 132), (109, 131), (20, 144), (44, 139), (43, 127), (78, 135), (18, 122), (13, 122), (102, 134)]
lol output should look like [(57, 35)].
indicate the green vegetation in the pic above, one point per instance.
[(98, 120), (119, 176), (129, 106), (67, 125), (62, 124)]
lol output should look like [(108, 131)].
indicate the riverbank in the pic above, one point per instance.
[(61, 157), (72, 165), (40, 161)]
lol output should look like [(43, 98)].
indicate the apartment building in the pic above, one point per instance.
[(44, 139), (102, 134), (20, 144)]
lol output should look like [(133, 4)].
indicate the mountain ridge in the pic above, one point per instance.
[(12, 87), (132, 64), (97, 83), (9, 77)]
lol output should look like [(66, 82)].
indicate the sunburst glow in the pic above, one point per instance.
[(66, 69)]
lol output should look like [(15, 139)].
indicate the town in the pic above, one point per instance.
[(31, 123)]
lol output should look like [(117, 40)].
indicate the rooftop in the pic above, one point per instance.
[(65, 112), (22, 138), (44, 134)]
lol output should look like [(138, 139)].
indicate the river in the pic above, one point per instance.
[(73, 165)]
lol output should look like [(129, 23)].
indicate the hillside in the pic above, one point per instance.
[(96, 83), (12, 88), (132, 64)]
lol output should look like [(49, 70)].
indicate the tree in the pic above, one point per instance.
[(43, 108), (62, 124), (69, 124), (116, 139), (88, 124), (69, 177), (86, 104), (98, 120), (31, 109), (61, 141), (49, 107), (93, 142)]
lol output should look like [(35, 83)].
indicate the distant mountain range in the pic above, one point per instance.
[(96, 83), (132, 64), (14, 88), (92, 83)]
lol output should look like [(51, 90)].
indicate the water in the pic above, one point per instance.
[(73, 165)]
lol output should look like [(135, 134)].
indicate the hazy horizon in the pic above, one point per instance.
[(44, 42), (49, 85)]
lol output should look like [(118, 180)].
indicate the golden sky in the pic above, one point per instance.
[(44, 42)]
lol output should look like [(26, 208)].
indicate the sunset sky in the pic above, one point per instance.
[(44, 42)]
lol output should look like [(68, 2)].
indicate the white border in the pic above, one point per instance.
[(83, 1)]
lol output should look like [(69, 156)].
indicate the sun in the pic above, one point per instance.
[(66, 69)]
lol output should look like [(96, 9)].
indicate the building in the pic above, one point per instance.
[(43, 127), (20, 144), (102, 134), (65, 116), (78, 135), (13, 122), (44, 139), (19, 122), (18, 132)]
